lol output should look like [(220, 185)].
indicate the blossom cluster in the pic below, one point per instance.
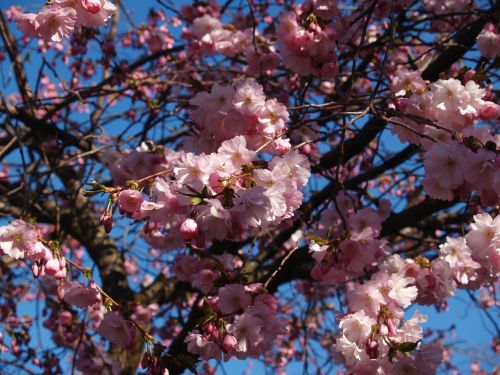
[(203, 274), (155, 35), (374, 335), (474, 260), (226, 112), (450, 12), (442, 119), (221, 195), (309, 49), (208, 35), (58, 19), (239, 322), (344, 251), (20, 240), (137, 163), (226, 194)]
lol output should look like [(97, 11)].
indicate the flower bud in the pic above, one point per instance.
[(490, 27), (371, 349), (56, 267), (92, 6), (489, 111), (468, 75), (66, 318), (391, 327), (60, 292), (209, 328), (107, 221), (189, 229), (130, 201), (214, 182), (229, 343), (36, 269), (269, 300)]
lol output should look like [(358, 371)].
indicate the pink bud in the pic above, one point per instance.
[(489, 111), (468, 74), (130, 201), (306, 149), (56, 267), (371, 348), (92, 6), (209, 328), (229, 343), (269, 300), (214, 183), (215, 335), (35, 269), (189, 229), (391, 327), (107, 221), (66, 318), (60, 292), (490, 27)]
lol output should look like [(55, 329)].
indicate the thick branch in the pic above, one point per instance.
[(17, 62)]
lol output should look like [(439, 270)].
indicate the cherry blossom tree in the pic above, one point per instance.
[(246, 179)]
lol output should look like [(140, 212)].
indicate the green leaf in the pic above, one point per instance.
[(195, 84), (392, 354), (319, 240), (406, 347), (204, 319), (204, 192), (196, 201)]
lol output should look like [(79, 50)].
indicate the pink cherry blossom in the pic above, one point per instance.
[(249, 98), (233, 298), (357, 326), (130, 201), (237, 152), (81, 296), (117, 330), (247, 329), (488, 42), (55, 23), (197, 344), (17, 238), (407, 81), (350, 350), (400, 292)]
